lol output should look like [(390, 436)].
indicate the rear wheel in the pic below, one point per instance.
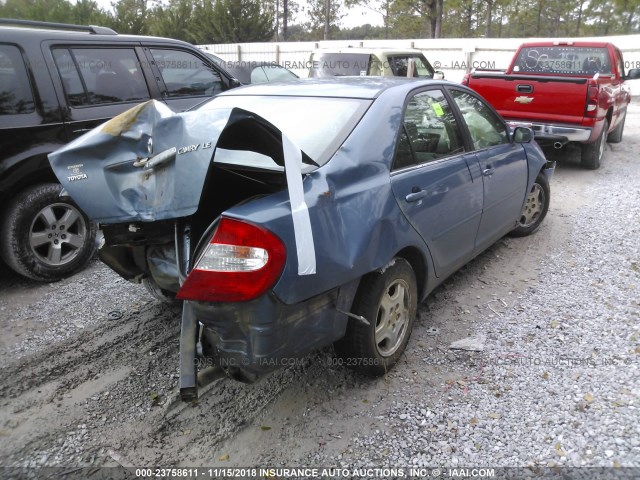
[(592, 153), (45, 236), (158, 293), (387, 299), (616, 135)]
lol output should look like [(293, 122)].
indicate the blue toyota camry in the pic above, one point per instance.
[(291, 216)]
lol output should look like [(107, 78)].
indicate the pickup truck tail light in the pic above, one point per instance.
[(465, 79), (592, 99), (240, 263)]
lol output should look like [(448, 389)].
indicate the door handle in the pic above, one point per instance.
[(487, 172), (415, 196)]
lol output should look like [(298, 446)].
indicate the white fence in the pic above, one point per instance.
[(454, 56)]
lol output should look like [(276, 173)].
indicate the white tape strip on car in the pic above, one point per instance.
[(299, 210)]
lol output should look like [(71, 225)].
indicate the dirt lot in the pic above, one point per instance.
[(89, 364)]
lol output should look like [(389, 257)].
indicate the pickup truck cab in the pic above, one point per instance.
[(565, 91)]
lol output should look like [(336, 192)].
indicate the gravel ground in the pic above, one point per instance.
[(556, 383)]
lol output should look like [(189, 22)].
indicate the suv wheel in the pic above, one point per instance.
[(44, 236)]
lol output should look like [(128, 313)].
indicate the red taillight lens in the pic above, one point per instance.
[(465, 79), (240, 263), (592, 99)]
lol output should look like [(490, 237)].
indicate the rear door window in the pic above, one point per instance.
[(16, 96), (185, 75), (95, 76), (430, 130)]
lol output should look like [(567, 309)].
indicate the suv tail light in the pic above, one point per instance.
[(465, 79), (240, 263), (592, 99)]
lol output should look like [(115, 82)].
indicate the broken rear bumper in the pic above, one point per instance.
[(264, 334)]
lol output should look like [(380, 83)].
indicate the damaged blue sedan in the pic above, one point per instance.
[(292, 216)]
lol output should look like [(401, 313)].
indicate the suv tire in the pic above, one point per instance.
[(44, 236)]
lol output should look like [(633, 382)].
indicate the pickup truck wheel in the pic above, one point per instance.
[(616, 135), (592, 153), (387, 299), (535, 208), (44, 236)]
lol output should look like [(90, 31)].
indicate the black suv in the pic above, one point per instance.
[(57, 82)]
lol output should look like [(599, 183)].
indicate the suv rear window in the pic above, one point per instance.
[(563, 59), (94, 76), (15, 89)]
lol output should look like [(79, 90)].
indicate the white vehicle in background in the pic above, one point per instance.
[(371, 62)]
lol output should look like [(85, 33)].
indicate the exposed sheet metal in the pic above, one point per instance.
[(150, 164), (106, 173)]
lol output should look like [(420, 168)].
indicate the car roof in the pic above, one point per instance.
[(340, 87), (366, 50), (22, 33)]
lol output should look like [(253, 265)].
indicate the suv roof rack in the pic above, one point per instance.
[(93, 29)]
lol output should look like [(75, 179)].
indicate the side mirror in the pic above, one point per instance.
[(522, 135), (633, 74), (438, 75)]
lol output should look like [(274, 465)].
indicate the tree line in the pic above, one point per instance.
[(237, 21)]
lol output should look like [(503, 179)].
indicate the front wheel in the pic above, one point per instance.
[(44, 236), (592, 153), (387, 299), (535, 207)]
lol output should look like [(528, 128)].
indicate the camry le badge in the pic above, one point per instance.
[(524, 100)]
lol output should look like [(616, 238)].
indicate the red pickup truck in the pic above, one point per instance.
[(565, 91)]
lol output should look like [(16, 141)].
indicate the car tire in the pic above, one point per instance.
[(592, 153), (158, 293), (387, 299), (535, 208), (44, 236), (616, 135)]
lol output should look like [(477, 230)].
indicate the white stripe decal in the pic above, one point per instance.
[(299, 210)]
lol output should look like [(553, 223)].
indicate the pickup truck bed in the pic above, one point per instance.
[(565, 91)]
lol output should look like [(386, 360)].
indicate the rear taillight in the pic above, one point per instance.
[(465, 79), (240, 263), (592, 99)]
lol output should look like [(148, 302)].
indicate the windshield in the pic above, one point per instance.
[(318, 125), (563, 59), (340, 64)]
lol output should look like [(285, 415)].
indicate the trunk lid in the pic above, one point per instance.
[(150, 163)]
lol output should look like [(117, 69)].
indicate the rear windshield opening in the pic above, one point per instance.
[(317, 125)]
